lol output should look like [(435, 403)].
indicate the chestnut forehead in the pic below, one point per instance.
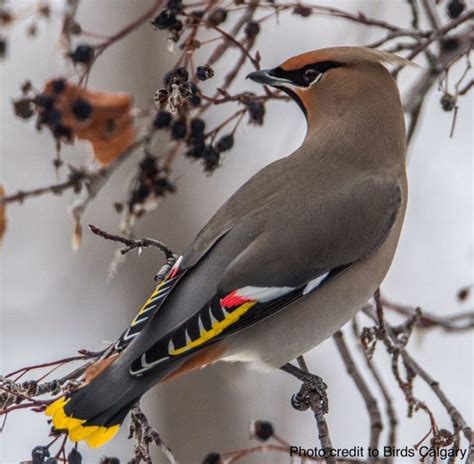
[(298, 62)]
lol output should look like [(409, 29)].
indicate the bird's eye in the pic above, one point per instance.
[(310, 75)]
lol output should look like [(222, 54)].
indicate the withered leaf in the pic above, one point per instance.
[(103, 119)]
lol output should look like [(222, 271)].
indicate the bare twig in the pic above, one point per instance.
[(375, 417), (144, 435), (132, 244)]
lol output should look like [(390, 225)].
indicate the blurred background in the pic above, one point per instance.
[(55, 301)]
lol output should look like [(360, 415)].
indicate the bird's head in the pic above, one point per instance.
[(332, 81)]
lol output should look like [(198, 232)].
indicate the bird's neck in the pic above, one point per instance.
[(359, 122)]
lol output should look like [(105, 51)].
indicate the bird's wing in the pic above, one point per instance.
[(249, 276)]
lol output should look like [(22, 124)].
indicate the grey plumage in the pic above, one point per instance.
[(336, 204)]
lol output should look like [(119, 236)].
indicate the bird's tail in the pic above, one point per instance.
[(95, 412)]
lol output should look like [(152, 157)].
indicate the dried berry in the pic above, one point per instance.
[(225, 143), (181, 74), (109, 460), (197, 127), (218, 16), (252, 29), (163, 185), (23, 108), (162, 119), (51, 461), (204, 72), (74, 457), (175, 5), (448, 102), (211, 158), (62, 132), (454, 8), (140, 194), (26, 86), (302, 10), (39, 454), (45, 102), (463, 293), (450, 44), (58, 85), (196, 16), (178, 129), (167, 20), (163, 20), (148, 166), (3, 46), (263, 430), (196, 151), (52, 117), (84, 53), (81, 109), (161, 98), (195, 97), (256, 111), (213, 458)]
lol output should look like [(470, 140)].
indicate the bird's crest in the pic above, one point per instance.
[(345, 55)]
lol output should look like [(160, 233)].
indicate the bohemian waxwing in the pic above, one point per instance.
[(287, 260)]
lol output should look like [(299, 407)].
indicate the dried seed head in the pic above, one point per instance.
[(204, 72)]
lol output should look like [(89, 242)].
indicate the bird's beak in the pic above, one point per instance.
[(267, 77)]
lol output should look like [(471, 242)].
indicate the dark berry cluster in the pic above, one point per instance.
[(49, 115), (150, 182), (168, 19), (454, 8), (208, 153), (178, 91), (49, 108)]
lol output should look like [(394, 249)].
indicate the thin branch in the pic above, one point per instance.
[(133, 244), (375, 417)]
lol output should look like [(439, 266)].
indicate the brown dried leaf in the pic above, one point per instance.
[(109, 128), (3, 217)]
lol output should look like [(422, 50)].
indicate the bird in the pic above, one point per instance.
[(287, 260)]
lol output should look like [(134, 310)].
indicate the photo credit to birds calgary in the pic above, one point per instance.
[(302, 175)]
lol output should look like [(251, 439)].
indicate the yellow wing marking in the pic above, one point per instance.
[(216, 329), (93, 435), (144, 307)]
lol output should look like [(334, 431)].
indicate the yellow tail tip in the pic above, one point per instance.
[(55, 406), (94, 435), (102, 436)]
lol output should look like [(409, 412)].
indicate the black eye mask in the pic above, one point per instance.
[(305, 76)]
